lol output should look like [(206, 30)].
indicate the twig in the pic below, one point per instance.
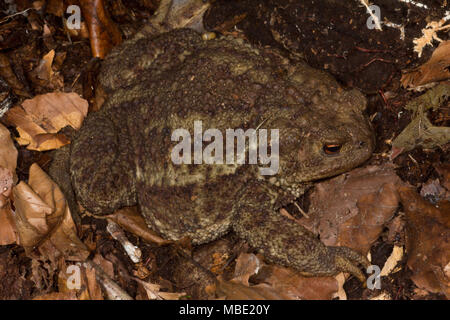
[(15, 14)]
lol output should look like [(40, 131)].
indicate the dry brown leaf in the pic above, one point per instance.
[(39, 119), (274, 282), (8, 234), (103, 33), (428, 241), (57, 296), (45, 74), (374, 210), (351, 209), (154, 293), (421, 131), (44, 69), (391, 262), (434, 70), (130, 219), (94, 289), (247, 264), (43, 219), (8, 162), (237, 291), (106, 265), (291, 284)]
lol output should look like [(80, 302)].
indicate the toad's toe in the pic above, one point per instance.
[(347, 260)]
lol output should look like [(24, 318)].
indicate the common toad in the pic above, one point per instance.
[(157, 84)]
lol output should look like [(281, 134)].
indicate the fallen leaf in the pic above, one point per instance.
[(237, 291), (39, 119), (44, 69), (274, 282), (428, 241), (434, 70), (57, 296), (374, 211), (45, 75), (391, 262), (44, 220), (106, 265), (246, 265), (154, 293), (288, 283), (421, 132), (8, 161), (351, 209)]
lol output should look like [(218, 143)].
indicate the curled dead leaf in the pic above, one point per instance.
[(154, 293), (8, 234), (57, 296), (43, 219), (39, 119), (8, 162), (351, 209), (420, 131), (434, 70), (44, 69), (374, 210), (274, 283), (428, 241)]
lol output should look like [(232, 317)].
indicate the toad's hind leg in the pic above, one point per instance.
[(101, 165), (286, 242)]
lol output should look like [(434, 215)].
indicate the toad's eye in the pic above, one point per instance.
[(332, 149)]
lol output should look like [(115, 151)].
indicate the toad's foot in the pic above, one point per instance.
[(347, 260)]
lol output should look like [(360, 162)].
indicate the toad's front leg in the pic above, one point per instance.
[(286, 242)]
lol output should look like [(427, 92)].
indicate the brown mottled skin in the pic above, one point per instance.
[(121, 156)]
